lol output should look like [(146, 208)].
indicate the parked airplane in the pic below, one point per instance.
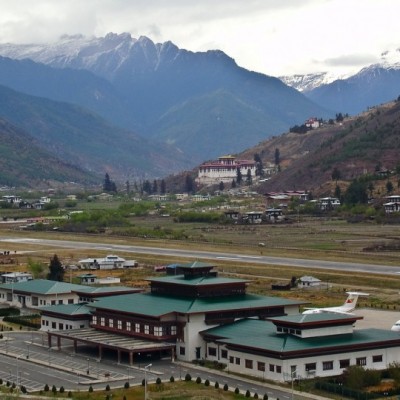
[(396, 327), (347, 308)]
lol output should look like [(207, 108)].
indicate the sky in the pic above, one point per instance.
[(274, 37)]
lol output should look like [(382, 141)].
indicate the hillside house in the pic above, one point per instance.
[(109, 262), (224, 170)]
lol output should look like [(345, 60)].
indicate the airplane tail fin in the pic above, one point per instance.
[(351, 301)]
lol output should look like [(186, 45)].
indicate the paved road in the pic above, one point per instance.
[(198, 254), (26, 360)]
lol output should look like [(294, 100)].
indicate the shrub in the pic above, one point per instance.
[(62, 390), (8, 384), (158, 381), (46, 387), (126, 386), (23, 389), (108, 388), (207, 382), (172, 379), (247, 393), (216, 385), (255, 396), (143, 382), (198, 380), (237, 391), (1, 381), (69, 394), (188, 378), (54, 389), (265, 396), (226, 387), (90, 389)]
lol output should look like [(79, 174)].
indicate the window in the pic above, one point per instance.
[(102, 321), (61, 326), (128, 326), (231, 359), (60, 302), (271, 367), (278, 369), (43, 323), (158, 331), (260, 366), (146, 329), (378, 358), (327, 365), (137, 327), (54, 325), (173, 330), (94, 320), (212, 351), (237, 360), (311, 367), (119, 323), (361, 361), (53, 302), (224, 353), (111, 323), (182, 351), (344, 363), (248, 364), (70, 301)]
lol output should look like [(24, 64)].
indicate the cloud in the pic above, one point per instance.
[(350, 60)]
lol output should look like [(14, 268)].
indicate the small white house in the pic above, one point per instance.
[(306, 282), (91, 279), (109, 262), (14, 277)]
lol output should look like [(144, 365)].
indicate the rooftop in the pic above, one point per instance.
[(158, 305), (262, 335)]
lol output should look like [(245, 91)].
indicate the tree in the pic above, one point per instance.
[(259, 165), (356, 193), (336, 175), (249, 179), (389, 187), (163, 188), (56, 270), (277, 156), (36, 268), (233, 185), (221, 186), (338, 192), (128, 187), (339, 117), (109, 185), (155, 187), (189, 184), (239, 176), (147, 187)]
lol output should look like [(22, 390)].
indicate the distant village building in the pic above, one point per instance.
[(312, 123), (109, 262), (393, 204), (224, 170), (328, 203), (14, 277), (91, 279), (306, 282)]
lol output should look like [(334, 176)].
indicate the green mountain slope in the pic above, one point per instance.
[(82, 138), (357, 146), (24, 163)]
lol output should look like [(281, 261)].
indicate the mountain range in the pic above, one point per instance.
[(351, 93), (139, 109), (203, 104)]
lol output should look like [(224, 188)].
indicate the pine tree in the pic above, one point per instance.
[(56, 270), (239, 177), (163, 187)]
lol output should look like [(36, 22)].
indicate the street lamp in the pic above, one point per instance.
[(145, 380), (292, 374)]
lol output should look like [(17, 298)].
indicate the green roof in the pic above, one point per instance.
[(262, 335), (105, 289), (68, 309), (196, 264), (316, 317), (157, 305), (197, 280), (43, 286)]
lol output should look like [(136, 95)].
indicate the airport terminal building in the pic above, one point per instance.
[(197, 315)]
